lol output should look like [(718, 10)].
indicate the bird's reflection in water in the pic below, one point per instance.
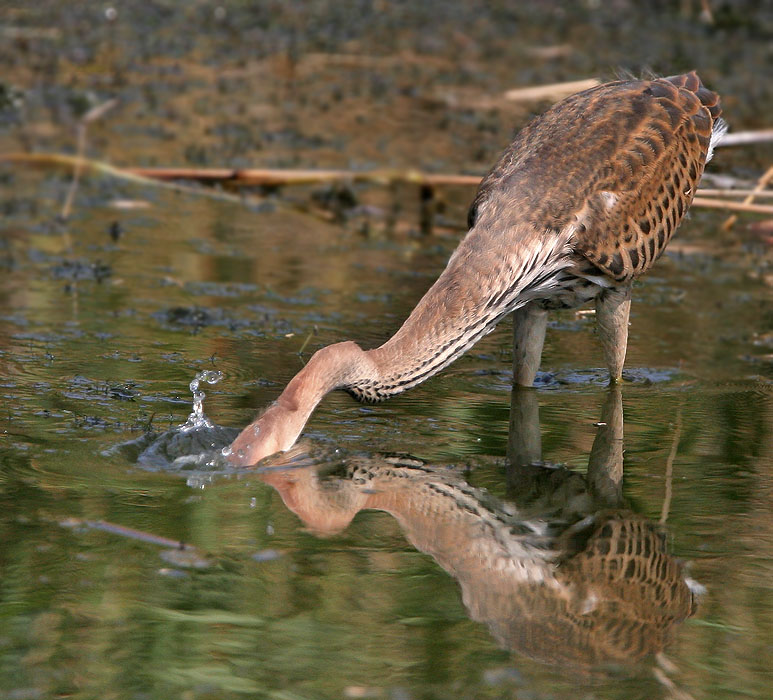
[(561, 572)]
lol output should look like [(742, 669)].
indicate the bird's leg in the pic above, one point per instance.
[(529, 324), (613, 306), (524, 441)]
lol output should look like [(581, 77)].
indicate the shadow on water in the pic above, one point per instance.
[(561, 572)]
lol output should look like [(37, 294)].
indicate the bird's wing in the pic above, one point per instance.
[(619, 163)]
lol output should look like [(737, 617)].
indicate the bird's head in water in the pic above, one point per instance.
[(278, 427)]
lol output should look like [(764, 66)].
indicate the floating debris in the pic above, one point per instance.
[(78, 270), (187, 557), (266, 555)]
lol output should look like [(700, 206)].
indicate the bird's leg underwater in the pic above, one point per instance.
[(613, 307), (524, 439), (529, 325)]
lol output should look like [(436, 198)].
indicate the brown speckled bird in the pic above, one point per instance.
[(582, 202)]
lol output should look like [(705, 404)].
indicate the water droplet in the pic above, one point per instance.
[(253, 502), (226, 451), (211, 376), (197, 419)]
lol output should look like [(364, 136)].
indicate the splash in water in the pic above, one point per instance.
[(197, 419), (194, 446)]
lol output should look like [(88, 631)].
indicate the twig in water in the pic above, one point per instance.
[(674, 692), (706, 16), (126, 174), (758, 194), (123, 531), (762, 183), (90, 116), (670, 467), (708, 203), (308, 338), (744, 138), (275, 177), (176, 552)]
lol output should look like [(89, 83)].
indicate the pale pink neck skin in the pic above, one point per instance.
[(279, 426), (406, 359)]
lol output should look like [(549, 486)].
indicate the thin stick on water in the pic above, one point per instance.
[(745, 206), (669, 477), (308, 338), (758, 194), (90, 116), (104, 168), (706, 15), (674, 692), (549, 92), (269, 177), (123, 531)]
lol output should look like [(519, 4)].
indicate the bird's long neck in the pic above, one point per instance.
[(279, 426), (487, 277)]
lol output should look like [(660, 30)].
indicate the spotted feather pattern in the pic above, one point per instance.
[(619, 163)]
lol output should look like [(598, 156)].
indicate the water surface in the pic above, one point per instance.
[(347, 568)]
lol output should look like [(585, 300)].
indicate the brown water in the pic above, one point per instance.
[(346, 572)]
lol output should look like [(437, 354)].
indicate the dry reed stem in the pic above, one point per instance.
[(553, 91), (709, 203), (725, 192), (103, 168), (160, 177), (745, 138), (762, 183), (128, 532), (275, 178), (669, 476)]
